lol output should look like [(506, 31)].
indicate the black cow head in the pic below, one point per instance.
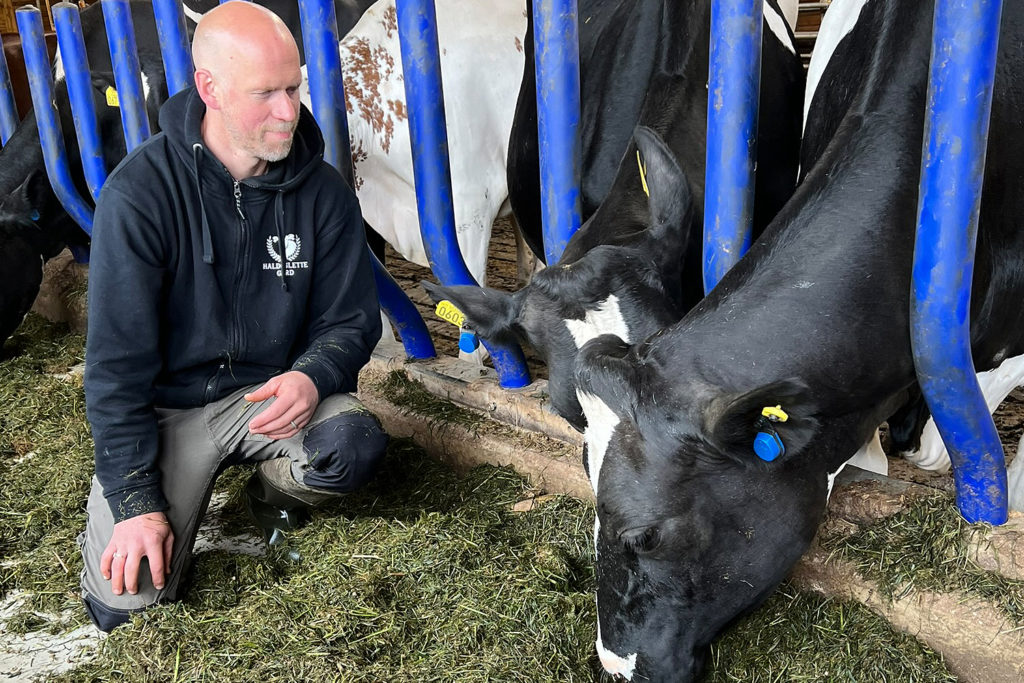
[(693, 529), (627, 287)]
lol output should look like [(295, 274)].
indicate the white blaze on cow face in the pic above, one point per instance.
[(777, 24), (840, 19), (605, 319), (601, 422), (613, 663)]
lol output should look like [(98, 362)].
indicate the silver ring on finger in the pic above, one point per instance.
[(117, 555), (294, 426)]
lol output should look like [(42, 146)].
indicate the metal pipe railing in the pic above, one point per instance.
[(964, 45), (8, 106), (174, 45), (40, 80), (80, 93), (421, 66), (734, 83), (125, 59), (557, 64), (327, 96)]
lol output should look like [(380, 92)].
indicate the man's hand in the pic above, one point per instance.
[(296, 399), (148, 536)]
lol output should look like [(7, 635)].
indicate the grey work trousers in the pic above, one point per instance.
[(337, 452)]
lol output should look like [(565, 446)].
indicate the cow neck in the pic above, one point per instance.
[(823, 293)]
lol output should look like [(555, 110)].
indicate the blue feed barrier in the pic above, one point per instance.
[(327, 95), (557, 64), (417, 31), (125, 58), (8, 107), (37, 64), (964, 41), (80, 93), (734, 83)]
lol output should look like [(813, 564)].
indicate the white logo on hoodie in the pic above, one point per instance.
[(292, 249)]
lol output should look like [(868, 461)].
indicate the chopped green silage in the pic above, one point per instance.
[(425, 575), (798, 636), (924, 547), (45, 467), (413, 396)]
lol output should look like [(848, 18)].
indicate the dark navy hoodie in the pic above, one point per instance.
[(200, 285)]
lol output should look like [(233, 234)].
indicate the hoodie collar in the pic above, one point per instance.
[(181, 120)]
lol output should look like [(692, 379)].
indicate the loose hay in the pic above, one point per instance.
[(925, 547), (45, 466), (423, 576)]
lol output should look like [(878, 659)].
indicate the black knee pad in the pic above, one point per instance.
[(344, 452), (104, 618)]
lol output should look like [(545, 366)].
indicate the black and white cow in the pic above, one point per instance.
[(634, 266), (694, 529), (33, 225)]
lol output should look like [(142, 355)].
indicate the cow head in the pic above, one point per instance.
[(692, 528), (627, 287)]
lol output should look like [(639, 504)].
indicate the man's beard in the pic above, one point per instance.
[(257, 146)]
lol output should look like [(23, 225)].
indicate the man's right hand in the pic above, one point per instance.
[(148, 536)]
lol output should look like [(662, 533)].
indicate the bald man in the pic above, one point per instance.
[(231, 307)]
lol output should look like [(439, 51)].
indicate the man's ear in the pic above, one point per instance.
[(491, 313), (206, 87), (731, 420)]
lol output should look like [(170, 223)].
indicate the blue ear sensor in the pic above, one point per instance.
[(768, 444), (34, 215), (468, 343)]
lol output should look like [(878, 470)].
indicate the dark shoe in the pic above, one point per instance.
[(276, 514)]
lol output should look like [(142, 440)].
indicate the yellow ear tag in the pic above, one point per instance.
[(111, 94), (446, 310), (775, 413), (643, 174)]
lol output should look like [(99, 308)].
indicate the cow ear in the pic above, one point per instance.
[(670, 199), (491, 313), (31, 194), (733, 421), (605, 368)]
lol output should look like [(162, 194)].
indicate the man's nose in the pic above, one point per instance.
[(285, 108)]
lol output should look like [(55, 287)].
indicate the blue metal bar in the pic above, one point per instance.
[(557, 61), (327, 95), (8, 107), (734, 83), (174, 46), (421, 65), (326, 86), (125, 58), (80, 93), (40, 81), (402, 313), (963, 60)]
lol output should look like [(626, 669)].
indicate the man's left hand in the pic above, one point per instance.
[(295, 401)]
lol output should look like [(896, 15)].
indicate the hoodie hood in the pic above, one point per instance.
[(181, 120)]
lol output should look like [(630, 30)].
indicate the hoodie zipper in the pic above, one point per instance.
[(235, 343)]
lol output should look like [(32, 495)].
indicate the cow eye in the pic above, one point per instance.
[(642, 539)]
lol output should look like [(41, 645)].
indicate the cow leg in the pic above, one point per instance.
[(1015, 478), (995, 385), (871, 457)]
